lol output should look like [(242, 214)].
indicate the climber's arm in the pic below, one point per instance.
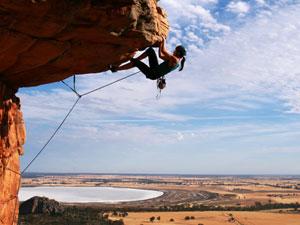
[(164, 54)]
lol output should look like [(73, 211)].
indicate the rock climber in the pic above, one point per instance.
[(156, 71)]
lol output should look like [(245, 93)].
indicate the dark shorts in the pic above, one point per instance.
[(151, 70)]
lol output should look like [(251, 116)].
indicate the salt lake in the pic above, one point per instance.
[(88, 194)]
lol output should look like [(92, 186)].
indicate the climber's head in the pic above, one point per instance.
[(180, 52)]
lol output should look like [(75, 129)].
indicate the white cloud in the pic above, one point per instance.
[(180, 136), (260, 59), (190, 19), (207, 2), (261, 2), (238, 7)]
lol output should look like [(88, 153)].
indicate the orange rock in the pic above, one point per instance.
[(12, 133), (49, 41)]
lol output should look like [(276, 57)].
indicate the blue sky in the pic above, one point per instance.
[(233, 110)]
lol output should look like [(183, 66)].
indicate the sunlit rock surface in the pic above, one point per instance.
[(12, 138)]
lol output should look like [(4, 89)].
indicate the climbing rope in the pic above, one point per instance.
[(106, 85), (11, 170), (79, 96), (52, 136), (74, 82), (71, 88)]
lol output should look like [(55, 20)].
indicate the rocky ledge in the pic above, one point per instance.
[(41, 205), (48, 41)]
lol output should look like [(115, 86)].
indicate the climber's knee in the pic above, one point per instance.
[(133, 61), (150, 51)]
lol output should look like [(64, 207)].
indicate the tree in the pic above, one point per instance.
[(186, 218), (152, 219), (296, 206), (258, 204)]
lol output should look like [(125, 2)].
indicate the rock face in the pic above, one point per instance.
[(49, 41), (12, 138), (40, 205)]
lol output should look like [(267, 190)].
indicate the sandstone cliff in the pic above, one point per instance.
[(12, 133), (48, 41)]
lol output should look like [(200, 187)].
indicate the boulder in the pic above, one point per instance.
[(40, 205)]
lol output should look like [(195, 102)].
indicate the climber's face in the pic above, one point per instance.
[(175, 53)]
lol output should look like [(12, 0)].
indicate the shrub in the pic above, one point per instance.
[(258, 204), (116, 222), (152, 219)]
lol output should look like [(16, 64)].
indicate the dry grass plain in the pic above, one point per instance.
[(231, 190), (214, 218)]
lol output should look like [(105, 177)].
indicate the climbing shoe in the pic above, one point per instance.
[(112, 68)]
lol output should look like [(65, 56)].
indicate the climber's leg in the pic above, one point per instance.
[(126, 66), (134, 63), (142, 56), (131, 64), (153, 61), (144, 68)]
